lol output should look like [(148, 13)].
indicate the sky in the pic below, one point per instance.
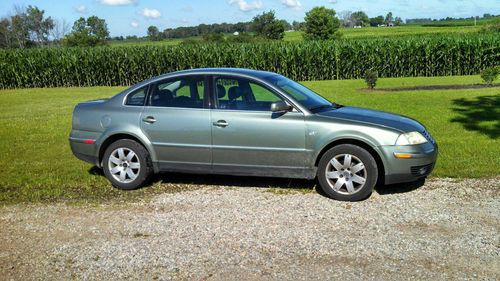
[(132, 17)]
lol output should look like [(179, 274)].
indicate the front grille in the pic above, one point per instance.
[(428, 136), (422, 171)]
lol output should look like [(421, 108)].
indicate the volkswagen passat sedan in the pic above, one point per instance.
[(249, 123)]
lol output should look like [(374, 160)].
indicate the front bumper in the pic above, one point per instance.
[(420, 164)]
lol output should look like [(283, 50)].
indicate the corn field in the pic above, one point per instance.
[(343, 59)]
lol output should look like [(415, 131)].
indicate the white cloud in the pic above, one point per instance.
[(151, 13), (244, 6), (333, 1), (81, 9), (134, 24), (292, 3), (117, 2)]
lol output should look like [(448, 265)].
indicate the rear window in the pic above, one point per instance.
[(137, 97)]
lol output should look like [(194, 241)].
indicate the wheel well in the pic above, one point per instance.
[(367, 147), (112, 139)]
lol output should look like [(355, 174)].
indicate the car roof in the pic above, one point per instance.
[(205, 71), (224, 70)]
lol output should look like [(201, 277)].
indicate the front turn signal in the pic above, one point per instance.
[(403, 155)]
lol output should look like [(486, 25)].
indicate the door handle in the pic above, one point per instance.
[(149, 119), (221, 123)]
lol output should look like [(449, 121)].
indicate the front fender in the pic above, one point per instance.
[(322, 134)]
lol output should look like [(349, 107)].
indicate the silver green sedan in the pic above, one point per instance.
[(248, 123)]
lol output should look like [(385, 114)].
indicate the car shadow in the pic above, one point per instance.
[(399, 187), (480, 114), (262, 182), (234, 181)]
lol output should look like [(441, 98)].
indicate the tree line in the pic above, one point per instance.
[(29, 27)]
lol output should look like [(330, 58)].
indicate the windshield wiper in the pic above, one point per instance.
[(321, 106), (331, 105)]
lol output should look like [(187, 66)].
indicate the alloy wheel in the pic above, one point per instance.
[(124, 165), (346, 174)]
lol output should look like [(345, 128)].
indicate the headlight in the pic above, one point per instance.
[(410, 138)]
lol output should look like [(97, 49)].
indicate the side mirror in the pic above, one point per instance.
[(280, 106)]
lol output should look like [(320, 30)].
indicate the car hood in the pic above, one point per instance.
[(375, 117)]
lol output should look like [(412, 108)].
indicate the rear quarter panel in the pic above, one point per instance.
[(100, 121)]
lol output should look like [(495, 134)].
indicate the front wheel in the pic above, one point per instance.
[(347, 172), (127, 164)]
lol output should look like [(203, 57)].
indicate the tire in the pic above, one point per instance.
[(127, 164), (343, 164)]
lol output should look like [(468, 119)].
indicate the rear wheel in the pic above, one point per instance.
[(127, 164), (347, 172)]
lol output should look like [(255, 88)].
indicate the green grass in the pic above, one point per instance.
[(347, 33), (37, 164), (169, 42), (392, 32)]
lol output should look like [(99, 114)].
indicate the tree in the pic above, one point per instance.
[(213, 37), (19, 31), (98, 28), (398, 21), (298, 25), (321, 24), (376, 21), (492, 26), (61, 28), (38, 26), (27, 27), (286, 24), (87, 32), (154, 33), (389, 19), (5, 33), (360, 18), (267, 26), (346, 18)]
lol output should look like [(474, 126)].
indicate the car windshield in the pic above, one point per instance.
[(300, 93)]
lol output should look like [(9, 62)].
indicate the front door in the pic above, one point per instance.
[(177, 122), (249, 139)]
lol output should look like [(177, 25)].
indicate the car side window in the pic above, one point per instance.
[(137, 97), (243, 94), (186, 92)]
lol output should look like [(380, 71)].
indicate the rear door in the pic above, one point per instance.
[(248, 138), (177, 122)]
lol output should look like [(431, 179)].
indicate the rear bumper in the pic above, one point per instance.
[(420, 165), (84, 151)]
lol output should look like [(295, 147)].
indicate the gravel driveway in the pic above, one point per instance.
[(443, 230)]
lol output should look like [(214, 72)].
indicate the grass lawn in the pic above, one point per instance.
[(169, 42), (391, 32), (38, 165), (347, 33)]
